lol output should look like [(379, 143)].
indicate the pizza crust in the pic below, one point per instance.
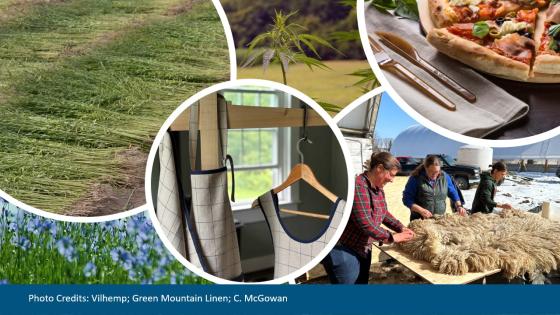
[(476, 56), (442, 13), (547, 64)]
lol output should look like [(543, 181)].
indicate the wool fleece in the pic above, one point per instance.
[(514, 241)]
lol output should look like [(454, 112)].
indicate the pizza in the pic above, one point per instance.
[(518, 39), (547, 60), (448, 12)]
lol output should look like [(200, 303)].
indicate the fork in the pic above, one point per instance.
[(387, 63)]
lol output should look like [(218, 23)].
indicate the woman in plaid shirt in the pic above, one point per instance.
[(350, 259)]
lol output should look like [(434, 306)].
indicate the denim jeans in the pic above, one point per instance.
[(344, 266)]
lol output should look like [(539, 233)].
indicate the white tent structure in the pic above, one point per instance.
[(418, 141)]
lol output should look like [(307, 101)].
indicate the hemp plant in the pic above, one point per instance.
[(366, 78), (286, 43)]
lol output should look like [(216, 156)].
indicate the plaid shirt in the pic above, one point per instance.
[(369, 211)]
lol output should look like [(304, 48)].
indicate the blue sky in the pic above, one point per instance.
[(391, 119)]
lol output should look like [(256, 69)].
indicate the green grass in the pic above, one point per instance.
[(84, 80), (330, 86)]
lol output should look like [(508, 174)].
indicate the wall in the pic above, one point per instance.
[(360, 151)]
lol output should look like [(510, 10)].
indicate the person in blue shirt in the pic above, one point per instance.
[(427, 189)]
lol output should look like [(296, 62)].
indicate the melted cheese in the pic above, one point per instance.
[(511, 27), (474, 8)]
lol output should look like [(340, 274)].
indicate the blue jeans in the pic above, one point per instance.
[(344, 266)]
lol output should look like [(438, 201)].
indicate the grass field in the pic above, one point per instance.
[(81, 82), (333, 86)]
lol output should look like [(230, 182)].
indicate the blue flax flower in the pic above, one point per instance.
[(90, 269), (66, 248), (21, 242), (121, 255)]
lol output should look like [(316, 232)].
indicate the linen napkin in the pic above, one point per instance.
[(494, 108)]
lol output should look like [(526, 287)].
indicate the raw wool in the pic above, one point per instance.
[(513, 241)]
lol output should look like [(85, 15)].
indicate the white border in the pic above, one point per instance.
[(229, 39), (232, 84), (425, 121), (127, 213), (356, 103), (67, 218)]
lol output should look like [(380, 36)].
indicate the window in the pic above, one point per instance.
[(260, 161)]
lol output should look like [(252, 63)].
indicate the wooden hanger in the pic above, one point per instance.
[(303, 172), (306, 214)]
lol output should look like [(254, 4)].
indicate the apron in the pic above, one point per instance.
[(200, 225), (291, 253)]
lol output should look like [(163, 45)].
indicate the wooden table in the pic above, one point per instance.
[(425, 270), (543, 108)]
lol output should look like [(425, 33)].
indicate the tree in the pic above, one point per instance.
[(285, 43)]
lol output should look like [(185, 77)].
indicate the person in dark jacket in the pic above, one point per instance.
[(484, 196), (427, 189)]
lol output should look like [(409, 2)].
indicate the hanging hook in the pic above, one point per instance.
[(299, 147), (304, 135)]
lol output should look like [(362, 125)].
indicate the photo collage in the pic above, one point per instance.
[(309, 142)]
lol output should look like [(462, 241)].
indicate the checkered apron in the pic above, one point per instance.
[(199, 226), (290, 252)]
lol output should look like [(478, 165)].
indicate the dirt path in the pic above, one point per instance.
[(109, 197), (389, 272)]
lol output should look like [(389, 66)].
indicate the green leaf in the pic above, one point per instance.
[(310, 62), (407, 9), (554, 30), (258, 39), (285, 59), (368, 80), (480, 29), (345, 36), (348, 3), (385, 4), (267, 57), (329, 107), (317, 39), (251, 58), (310, 45), (553, 45)]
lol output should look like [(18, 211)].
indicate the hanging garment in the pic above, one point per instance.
[(199, 225), (168, 207), (290, 252)]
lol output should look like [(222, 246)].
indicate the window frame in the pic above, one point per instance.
[(283, 154)]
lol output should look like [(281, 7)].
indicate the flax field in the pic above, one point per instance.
[(85, 86), (36, 250)]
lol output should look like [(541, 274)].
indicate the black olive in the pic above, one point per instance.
[(525, 33), (500, 21)]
